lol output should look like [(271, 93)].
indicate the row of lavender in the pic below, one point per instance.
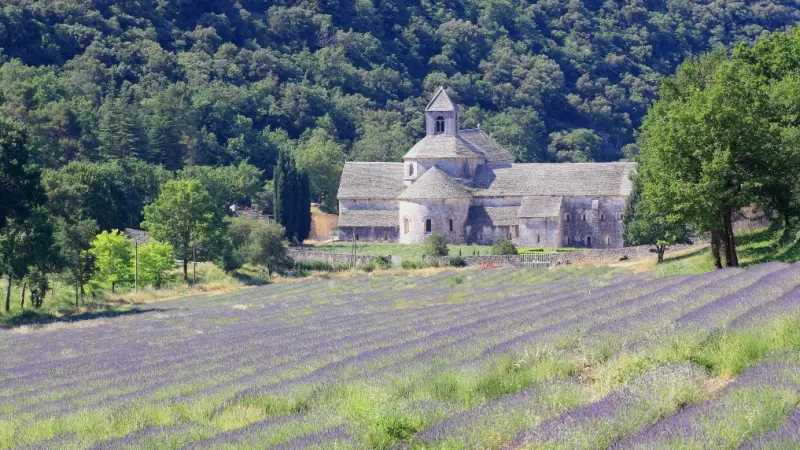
[(284, 341)]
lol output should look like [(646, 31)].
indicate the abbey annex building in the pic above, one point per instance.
[(465, 186)]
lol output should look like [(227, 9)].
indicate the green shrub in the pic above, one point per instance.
[(383, 262), (504, 247), (525, 251), (411, 264), (457, 261), (369, 267), (436, 246), (318, 266)]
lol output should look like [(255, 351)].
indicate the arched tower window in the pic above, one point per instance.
[(589, 241), (566, 217), (439, 128), (428, 225), (406, 225)]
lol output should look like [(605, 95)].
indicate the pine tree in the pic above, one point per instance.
[(165, 142), (122, 134)]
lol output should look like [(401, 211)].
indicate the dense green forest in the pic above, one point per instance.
[(179, 82)]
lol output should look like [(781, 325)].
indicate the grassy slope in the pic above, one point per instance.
[(755, 247), (60, 301)]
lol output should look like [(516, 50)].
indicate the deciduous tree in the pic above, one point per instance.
[(185, 216)]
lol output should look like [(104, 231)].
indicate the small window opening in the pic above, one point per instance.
[(584, 217), (439, 125), (451, 225), (566, 217), (410, 170), (357, 238), (538, 239), (602, 217), (608, 240), (428, 225), (406, 225), (588, 241), (385, 236)]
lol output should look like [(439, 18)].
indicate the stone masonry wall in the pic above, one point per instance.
[(597, 256), (330, 258)]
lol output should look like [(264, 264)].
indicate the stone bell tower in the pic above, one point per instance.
[(441, 115)]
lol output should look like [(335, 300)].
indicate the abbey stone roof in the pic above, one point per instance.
[(371, 180), (441, 102), (550, 179), (491, 149), (443, 146), (435, 184), (540, 206)]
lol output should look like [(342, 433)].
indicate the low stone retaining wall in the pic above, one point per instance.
[(596, 255), (330, 258), (495, 260)]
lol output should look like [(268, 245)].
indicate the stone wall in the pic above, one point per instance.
[(440, 212), (330, 258), (369, 234), (594, 256), (542, 232), (595, 218)]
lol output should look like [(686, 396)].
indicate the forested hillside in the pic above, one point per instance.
[(178, 82)]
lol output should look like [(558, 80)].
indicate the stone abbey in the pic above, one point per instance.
[(465, 186)]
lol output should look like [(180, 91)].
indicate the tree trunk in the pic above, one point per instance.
[(113, 285), (77, 295), (8, 293), (660, 249), (22, 303), (731, 258), (715, 249), (185, 269), (787, 226)]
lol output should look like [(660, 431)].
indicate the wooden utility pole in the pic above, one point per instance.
[(194, 266), (136, 266)]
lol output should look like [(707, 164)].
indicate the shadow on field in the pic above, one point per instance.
[(686, 255), (31, 317), (250, 279)]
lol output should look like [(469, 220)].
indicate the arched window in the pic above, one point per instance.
[(410, 170), (608, 240), (451, 225), (588, 241), (569, 240), (439, 125), (566, 217), (602, 217), (428, 225), (584, 217), (406, 225)]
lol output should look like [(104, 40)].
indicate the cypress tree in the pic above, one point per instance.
[(285, 181), (290, 194), (304, 207), (279, 186)]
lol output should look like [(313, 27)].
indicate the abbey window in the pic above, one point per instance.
[(439, 125)]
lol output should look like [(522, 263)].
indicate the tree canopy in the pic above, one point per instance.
[(208, 83)]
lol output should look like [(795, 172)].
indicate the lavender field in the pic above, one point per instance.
[(564, 358)]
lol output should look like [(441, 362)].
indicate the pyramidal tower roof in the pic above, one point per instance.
[(435, 184), (441, 102)]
